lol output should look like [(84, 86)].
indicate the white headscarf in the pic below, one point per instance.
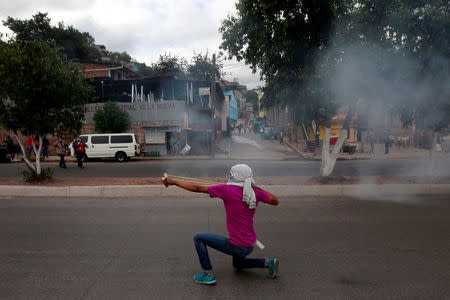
[(242, 175)]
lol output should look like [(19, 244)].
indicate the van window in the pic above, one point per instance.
[(99, 139), (121, 139), (84, 138)]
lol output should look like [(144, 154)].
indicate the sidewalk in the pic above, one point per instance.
[(252, 147), (135, 191), (379, 154), (263, 149)]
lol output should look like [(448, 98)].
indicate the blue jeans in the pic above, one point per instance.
[(62, 163), (222, 244)]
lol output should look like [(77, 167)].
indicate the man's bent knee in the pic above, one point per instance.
[(199, 236), (237, 263)]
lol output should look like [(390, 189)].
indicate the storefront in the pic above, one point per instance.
[(163, 140), (160, 126)]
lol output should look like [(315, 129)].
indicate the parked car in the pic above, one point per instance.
[(348, 148), (121, 146)]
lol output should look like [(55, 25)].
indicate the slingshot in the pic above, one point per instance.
[(190, 179)]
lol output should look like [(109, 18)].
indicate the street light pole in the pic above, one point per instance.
[(103, 95)]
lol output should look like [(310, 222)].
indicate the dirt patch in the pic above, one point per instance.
[(379, 180), (334, 180)]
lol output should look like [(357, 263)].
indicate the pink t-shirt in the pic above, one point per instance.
[(239, 216)]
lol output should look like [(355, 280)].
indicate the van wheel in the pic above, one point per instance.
[(121, 156)]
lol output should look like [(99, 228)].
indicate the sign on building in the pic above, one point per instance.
[(146, 111), (155, 137), (204, 91)]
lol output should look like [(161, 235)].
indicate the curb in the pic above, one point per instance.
[(358, 190), (302, 156)]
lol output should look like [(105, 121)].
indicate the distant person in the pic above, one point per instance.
[(61, 150), (45, 144), (179, 146), (80, 151), (240, 198), (420, 141), (30, 142), (29, 146), (172, 145), (240, 128), (10, 146), (281, 137), (399, 142), (387, 143), (372, 143), (36, 142)]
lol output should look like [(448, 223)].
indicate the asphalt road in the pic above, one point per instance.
[(71, 248), (219, 168)]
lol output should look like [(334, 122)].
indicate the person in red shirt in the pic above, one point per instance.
[(30, 143), (79, 147), (29, 146), (240, 198)]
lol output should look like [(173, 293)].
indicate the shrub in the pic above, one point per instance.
[(29, 175)]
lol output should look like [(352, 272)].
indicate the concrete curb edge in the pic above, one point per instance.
[(278, 190)]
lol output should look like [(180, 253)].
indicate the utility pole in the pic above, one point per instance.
[(213, 82), (103, 95), (211, 104)]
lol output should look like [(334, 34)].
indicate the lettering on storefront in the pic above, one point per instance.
[(152, 111), (127, 107), (92, 108), (152, 106)]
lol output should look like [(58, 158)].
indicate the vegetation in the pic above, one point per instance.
[(251, 96), (281, 39), (314, 55), (111, 119), (203, 68), (170, 65), (29, 175), (40, 93), (414, 46), (119, 57), (75, 44)]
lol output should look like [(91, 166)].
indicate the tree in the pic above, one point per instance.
[(415, 35), (119, 57), (284, 41), (415, 51), (281, 39), (111, 119), (145, 70), (202, 68), (315, 55), (169, 65), (76, 44), (40, 94), (251, 96)]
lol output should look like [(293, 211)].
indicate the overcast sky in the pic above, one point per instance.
[(143, 28)]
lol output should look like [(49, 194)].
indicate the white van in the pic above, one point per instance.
[(122, 146)]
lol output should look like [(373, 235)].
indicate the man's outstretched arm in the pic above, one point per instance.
[(272, 199), (192, 187)]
